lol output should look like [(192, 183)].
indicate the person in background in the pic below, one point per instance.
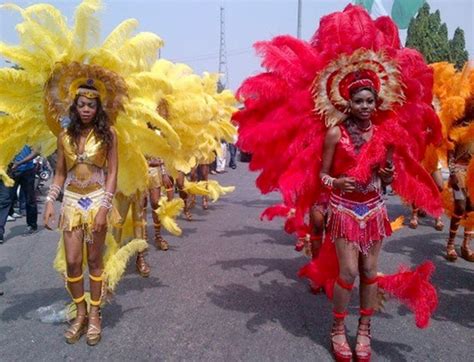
[(5, 204), (23, 173), (232, 153), (221, 159)]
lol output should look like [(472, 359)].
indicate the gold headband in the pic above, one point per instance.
[(88, 93)]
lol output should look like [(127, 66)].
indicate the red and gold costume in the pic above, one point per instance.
[(304, 91), (360, 216)]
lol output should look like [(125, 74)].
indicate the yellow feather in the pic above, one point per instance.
[(167, 213), (85, 32), (397, 224), (116, 264), (196, 188), (216, 190)]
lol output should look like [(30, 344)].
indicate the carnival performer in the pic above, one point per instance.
[(201, 117), (158, 179), (60, 66), (454, 92), (458, 161), (87, 170), (345, 113), (356, 234)]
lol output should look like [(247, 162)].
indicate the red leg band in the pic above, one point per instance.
[(344, 285), (339, 315), (368, 281), (366, 312)]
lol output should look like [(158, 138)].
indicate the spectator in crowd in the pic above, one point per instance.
[(23, 173), (221, 159), (5, 204), (232, 153)]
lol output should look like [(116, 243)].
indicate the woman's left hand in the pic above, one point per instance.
[(386, 174), (100, 221)]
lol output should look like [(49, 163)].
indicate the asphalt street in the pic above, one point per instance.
[(228, 290)]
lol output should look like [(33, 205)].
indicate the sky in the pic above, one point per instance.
[(191, 28)]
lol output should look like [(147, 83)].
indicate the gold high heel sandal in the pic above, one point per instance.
[(160, 242), (76, 329), (142, 266), (79, 325), (93, 331)]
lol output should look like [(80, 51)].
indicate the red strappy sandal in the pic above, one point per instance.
[(341, 350), (363, 351)]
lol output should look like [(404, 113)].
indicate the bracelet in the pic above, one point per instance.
[(53, 193), (328, 181), (106, 201)]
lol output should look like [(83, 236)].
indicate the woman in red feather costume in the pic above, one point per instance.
[(302, 109)]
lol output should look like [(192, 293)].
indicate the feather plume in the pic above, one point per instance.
[(167, 212)]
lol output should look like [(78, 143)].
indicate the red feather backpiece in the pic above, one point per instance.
[(284, 133)]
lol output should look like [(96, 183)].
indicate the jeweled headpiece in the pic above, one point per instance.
[(333, 86), (68, 80)]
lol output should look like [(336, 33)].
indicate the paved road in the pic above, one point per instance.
[(227, 290)]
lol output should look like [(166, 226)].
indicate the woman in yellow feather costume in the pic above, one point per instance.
[(56, 60), (201, 117), (455, 92)]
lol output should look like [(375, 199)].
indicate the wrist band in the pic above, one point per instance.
[(107, 200), (53, 193), (328, 181)]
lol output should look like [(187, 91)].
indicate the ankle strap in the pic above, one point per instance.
[(344, 285), (339, 315), (366, 312), (80, 299)]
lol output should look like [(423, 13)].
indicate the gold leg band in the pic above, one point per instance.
[(74, 279), (80, 299), (96, 279), (95, 303)]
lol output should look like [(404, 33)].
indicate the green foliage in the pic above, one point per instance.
[(429, 36), (457, 47)]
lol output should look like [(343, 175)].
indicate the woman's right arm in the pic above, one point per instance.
[(56, 186), (346, 184)]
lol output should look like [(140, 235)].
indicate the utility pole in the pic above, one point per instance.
[(223, 71), (298, 29)]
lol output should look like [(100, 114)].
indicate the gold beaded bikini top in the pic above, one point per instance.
[(95, 153)]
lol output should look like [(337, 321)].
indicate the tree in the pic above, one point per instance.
[(429, 36), (457, 47)]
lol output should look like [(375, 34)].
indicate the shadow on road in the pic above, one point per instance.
[(24, 304), (295, 310), (137, 283), (4, 270), (288, 267), (275, 236), (256, 203)]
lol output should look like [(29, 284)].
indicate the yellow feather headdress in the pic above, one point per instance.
[(66, 81)]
